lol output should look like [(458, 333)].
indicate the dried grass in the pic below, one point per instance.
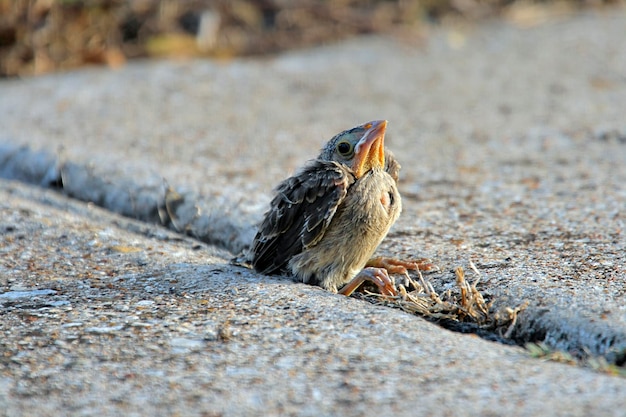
[(465, 305), (597, 363)]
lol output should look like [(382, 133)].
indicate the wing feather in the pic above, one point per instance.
[(300, 213), (392, 166)]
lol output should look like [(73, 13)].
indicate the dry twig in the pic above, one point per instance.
[(468, 306)]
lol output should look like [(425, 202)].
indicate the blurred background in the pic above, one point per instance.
[(42, 36)]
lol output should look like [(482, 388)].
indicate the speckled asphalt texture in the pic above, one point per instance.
[(513, 146)]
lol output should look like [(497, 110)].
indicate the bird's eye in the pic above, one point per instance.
[(345, 148)]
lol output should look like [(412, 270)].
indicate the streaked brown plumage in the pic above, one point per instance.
[(326, 221)]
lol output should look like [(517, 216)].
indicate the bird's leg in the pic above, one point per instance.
[(397, 266), (378, 276)]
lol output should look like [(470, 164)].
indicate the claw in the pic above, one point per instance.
[(378, 276), (397, 266)]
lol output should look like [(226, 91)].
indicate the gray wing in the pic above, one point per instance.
[(391, 165), (299, 215)]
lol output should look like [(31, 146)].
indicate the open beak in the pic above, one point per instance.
[(369, 152)]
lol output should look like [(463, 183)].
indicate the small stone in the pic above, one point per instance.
[(144, 303)]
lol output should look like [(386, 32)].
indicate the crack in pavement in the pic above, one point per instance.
[(223, 221)]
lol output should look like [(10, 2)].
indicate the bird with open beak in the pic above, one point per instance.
[(326, 221)]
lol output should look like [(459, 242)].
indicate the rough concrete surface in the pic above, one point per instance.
[(513, 146)]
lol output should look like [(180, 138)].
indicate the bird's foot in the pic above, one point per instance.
[(378, 276), (397, 266)]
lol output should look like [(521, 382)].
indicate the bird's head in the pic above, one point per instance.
[(362, 148)]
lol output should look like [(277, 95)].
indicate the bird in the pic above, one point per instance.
[(326, 221)]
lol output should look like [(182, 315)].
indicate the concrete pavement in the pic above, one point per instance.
[(512, 142)]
